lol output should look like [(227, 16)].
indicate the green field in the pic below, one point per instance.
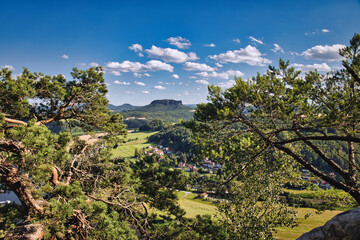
[(195, 206), (134, 140), (305, 225)]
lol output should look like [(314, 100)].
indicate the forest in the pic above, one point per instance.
[(261, 130)]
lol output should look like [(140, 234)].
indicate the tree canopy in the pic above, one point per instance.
[(286, 111)]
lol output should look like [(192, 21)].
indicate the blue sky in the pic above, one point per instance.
[(173, 49)]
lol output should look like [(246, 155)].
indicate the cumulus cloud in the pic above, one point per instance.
[(9, 67), (140, 75), (255, 41), (140, 83), (277, 48), (202, 81), (220, 75), (128, 66), (175, 76), (129, 92), (121, 83), (227, 84), (186, 93), (236, 40), (115, 73), (250, 55), (170, 55), (192, 66), (160, 87), (320, 67), (219, 64), (145, 92), (65, 56), (179, 42), (324, 52), (94, 64), (136, 47), (210, 45), (325, 30)]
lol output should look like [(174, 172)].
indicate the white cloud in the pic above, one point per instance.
[(325, 30), (128, 66), (121, 83), (221, 75), (136, 47), (192, 66), (186, 93), (160, 87), (180, 83), (198, 89), (320, 67), (9, 67), (175, 76), (129, 92), (145, 92), (236, 40), (140, 75), (254, 40), (202, 81), (140, 83), (115, 73), (170, 55), (210, 45), (179, 42), (277, 48), (219, 64), (94, 64), (250, 55), (227, 84), (65, 56), (324, 52)]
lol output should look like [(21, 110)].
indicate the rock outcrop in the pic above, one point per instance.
[(167, 102), (344, 226)]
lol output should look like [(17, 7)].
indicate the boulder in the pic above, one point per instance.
[(344, 226)]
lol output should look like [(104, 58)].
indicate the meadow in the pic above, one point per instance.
[(196, 206)]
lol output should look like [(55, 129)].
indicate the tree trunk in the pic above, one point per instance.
[(10, 176)]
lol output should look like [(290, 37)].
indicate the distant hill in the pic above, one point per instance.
[(122, 108), (168, 110), (193, 106)]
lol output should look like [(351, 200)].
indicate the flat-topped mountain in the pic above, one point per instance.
[(167, 102), (168, 110)]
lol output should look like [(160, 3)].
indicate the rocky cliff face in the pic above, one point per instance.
[(167, 102)]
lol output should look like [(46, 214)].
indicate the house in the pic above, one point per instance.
[(191, 168), (324, 185), (208, 164), (203, 195)]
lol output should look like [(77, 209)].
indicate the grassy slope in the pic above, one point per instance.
[(194, 206), (305, 225), (127, 149)]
